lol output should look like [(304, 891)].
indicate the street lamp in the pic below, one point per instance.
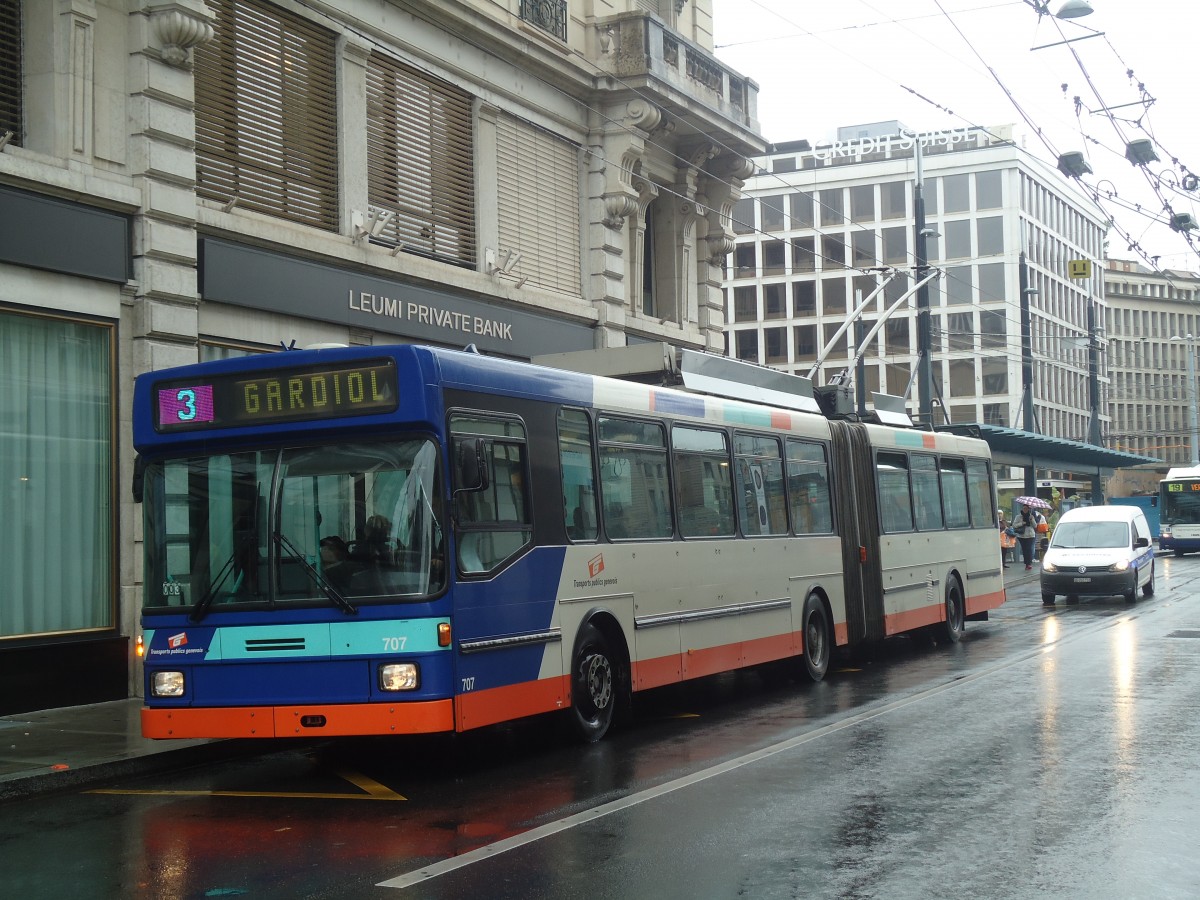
[(1191, 395)]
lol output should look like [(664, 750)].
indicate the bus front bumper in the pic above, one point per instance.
[(422, 717)]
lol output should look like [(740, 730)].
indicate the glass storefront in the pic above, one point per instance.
[(56, 476)]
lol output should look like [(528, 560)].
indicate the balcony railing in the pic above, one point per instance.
[(548, 15), (645, 47)]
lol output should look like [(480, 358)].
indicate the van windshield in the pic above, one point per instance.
[(1097, 535)]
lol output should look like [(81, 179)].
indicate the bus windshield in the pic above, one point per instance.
[(1180, 503), (283, 527)]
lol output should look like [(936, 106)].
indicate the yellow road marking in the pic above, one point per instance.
[(372, 789)]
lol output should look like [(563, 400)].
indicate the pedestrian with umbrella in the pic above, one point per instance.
[(1029, 524)]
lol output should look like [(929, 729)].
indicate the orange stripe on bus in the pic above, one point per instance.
[(515, 701), (419, 717), (983, 602)]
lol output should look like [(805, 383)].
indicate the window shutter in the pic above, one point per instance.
[(266, 113), (420, 161), (538, 204), (10, 69)]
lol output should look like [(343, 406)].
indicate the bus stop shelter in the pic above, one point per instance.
[(1029, 450)]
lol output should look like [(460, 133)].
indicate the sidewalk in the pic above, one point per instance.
[(63, 749)]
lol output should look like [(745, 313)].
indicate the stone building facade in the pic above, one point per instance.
[(195, 179)]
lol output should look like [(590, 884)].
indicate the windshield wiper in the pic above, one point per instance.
[(326, 588), (200, 610)]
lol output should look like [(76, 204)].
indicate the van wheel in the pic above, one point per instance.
[(1047, 599), (1131, 594), (1148, 587)]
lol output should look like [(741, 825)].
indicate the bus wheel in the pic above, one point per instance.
[(593, 685), (951, 630), (816, 638)]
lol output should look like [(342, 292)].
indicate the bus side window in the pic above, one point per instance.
[(808, 488), (895, 503), (493, 519), (578, 475)]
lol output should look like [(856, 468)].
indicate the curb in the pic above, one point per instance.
[(21, 785)]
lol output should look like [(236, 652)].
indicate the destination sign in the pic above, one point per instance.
[(302, 394), (1179, 487)]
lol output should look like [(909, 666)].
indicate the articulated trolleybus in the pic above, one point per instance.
[(400, 540), (1179, 510)]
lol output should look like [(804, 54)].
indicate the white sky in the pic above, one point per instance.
[(821, 65)]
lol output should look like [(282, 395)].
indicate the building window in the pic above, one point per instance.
[(804, 298), (805, 337), (804, 255), (745, 304), (833, 297), (774, 301), (958, 239), (266, 114), (774, 257), (802, 210), (833, 211), (895, 245), (960, 331), (538, 203), (958, 284), (991, 282), (833, 251), (892, 196), (995, 375), (745, 260), (420, 167), (962, 378), (11, 111), (990, 233), (956, 192), (993, 329), (988, 190), (743, 216), (896, 336), (775, 341), (862, 203), (747, 345), (56, 476), (863, 249), (772, 213)]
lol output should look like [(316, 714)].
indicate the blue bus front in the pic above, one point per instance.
[(295, 546), (1179, 515)]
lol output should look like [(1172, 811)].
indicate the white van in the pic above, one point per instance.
[(1097, 551)]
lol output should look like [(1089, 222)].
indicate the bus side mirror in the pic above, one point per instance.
[(471, 465), (139, 478)]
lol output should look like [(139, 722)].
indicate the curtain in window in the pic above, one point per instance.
[(55, 476)]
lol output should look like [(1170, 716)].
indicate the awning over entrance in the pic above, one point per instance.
[(1012, 447)]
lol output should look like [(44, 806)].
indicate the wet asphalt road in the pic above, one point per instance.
[(1051, 753)]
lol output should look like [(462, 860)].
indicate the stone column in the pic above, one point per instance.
[(163, 164)]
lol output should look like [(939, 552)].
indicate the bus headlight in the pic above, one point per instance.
[(399, 677), (166, 684)]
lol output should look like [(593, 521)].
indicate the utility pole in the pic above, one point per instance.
[(924, 326), (1094, 389), (1026, 364)]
